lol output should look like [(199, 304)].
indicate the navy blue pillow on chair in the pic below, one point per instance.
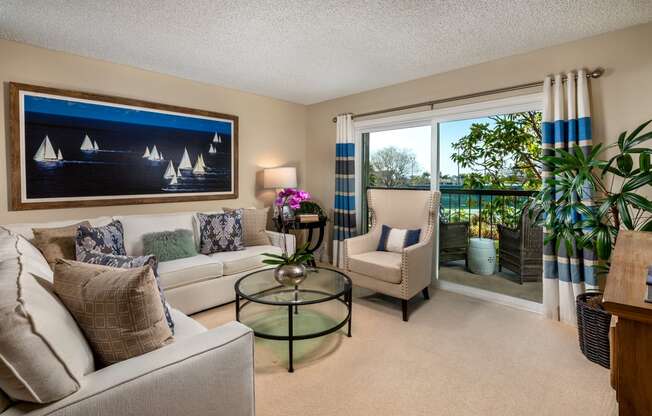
[(396, 239)]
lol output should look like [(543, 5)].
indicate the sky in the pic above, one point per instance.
[(417, 139), (72, 108)]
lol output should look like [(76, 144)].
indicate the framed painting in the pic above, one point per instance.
[(75, 149)]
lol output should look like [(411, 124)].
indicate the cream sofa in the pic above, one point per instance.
[(191, 284), (201, 373)]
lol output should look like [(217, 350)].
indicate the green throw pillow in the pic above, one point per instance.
[(170, 245)]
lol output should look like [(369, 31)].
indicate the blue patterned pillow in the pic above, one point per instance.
[(128, 262), (396, 239), (221, 232), (108, 239)]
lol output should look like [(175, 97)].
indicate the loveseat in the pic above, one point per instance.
[(191, 284), (203, 372)]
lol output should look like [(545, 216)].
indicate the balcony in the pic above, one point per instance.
[(494, 215)]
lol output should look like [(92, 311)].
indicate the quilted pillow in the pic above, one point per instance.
[(128, 262), (108, 239), (220, 232), (396, 239)]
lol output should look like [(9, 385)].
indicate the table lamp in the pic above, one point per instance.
[(279, 178)]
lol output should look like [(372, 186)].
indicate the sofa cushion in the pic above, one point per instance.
[(136, 226), (186, 326), (129, 262), (254, 224), (170, 245), (43, 353), (4, 402), (119, 310), (244, 260), (108, 239), (181, 272), (382, 265), (221, 232), (25, 229), (57, 243)]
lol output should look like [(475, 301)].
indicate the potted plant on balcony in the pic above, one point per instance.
[(584, 205)]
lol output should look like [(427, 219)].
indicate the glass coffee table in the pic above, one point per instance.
[(319, 306)]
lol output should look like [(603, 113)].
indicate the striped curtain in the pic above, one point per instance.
[(566, 122), (344, 225)]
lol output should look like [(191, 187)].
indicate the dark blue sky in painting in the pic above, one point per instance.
[(69, 108)]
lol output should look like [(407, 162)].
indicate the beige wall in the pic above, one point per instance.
[(621, 99), (272, 132)]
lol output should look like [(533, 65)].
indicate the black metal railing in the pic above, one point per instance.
[(483, 209)]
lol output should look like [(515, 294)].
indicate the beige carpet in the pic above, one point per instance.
[(456, 356)]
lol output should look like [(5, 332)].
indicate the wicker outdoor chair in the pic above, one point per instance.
[(521, 250), (454, 242)]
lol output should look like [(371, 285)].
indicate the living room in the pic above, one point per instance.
[(287, 208)]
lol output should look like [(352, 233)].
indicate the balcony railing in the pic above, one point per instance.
[(483, 209)]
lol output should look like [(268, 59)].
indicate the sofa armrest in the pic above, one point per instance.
[(211, 373), (277, 240)]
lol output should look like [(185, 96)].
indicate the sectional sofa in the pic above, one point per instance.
[(192, 284), (202, 372)]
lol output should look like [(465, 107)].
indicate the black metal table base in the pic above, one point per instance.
[(293, 309)]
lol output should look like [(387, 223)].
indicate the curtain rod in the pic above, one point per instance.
[(596, 73)]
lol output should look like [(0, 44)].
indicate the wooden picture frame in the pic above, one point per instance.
[(201, 148)]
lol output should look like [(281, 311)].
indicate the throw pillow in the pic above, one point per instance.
[(170, 245), (254, 226), (57, 243), (220, 232), (119, 310), (396, 239), (43, 353), (108, 239), (128, 262)]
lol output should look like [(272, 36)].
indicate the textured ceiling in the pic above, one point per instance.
[(309, 51)]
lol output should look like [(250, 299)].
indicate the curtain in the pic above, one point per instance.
[(566, 121), (344, 222)]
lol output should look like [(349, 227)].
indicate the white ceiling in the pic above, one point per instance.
[(311, 50)]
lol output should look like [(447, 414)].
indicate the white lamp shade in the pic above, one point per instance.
[(284, 177)]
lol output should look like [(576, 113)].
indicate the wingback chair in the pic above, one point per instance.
[(521, 249), (400, 275)]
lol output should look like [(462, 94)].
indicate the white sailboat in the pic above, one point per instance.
[(45, 152), (212, 150), (59, 155), (174, 181), (87, 144), (95, 146), (199, 168), (170, 172), (179, 172), (146, 154), (185, 160), (201, 157), (217, 139), (153, 155), (160, 156)]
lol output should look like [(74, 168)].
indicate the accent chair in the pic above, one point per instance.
[(400, 275), (521, 249)]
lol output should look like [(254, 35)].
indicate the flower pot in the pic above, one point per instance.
[(290, 274)]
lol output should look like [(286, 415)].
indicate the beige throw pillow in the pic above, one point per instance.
[(43, 353), (57, 243), (119, 310), (254, 224)]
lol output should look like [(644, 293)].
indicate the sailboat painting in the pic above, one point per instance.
[(72, 149)]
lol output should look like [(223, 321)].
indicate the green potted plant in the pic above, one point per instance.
[(584, 205)]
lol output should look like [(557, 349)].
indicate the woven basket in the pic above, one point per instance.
[(593, 324)]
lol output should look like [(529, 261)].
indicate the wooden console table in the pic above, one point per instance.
[(632, 339)]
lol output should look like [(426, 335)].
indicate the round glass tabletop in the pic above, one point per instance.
[(320, 285)]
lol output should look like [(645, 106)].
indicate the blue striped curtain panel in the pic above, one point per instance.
[(566, 121), (344, 222)]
